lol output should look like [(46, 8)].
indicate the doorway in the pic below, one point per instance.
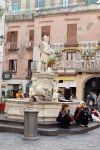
[(92, 85)]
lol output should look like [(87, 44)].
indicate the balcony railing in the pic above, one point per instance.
[(84, 65), (19, 17), (12, 46)]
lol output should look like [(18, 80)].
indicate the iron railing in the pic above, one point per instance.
[(12, 45)]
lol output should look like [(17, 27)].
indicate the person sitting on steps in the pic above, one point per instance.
[(81, 115), (64, 116)]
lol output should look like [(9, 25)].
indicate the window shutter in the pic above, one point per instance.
[(15, 36), (8, 36), (71, 34), (45, 30), (31, 35)]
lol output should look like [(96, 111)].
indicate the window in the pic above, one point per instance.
[(15, 6), (60, 81), (29, 68), (31, 35), (72, 34), (64, 3), (27, 4), (71, 56), (52, 3), (13, 66), (40, 4), (45, 30), (90, 1), (12, 36)]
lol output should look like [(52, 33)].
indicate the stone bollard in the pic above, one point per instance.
[(30, 125)]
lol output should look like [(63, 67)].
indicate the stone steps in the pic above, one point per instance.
[(49, 131), (44, 128)]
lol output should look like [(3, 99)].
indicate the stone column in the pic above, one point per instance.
[(30, 125)]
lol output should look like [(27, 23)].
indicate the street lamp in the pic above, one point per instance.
[(1, 39)]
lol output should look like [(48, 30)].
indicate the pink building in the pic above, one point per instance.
[(73, 28)]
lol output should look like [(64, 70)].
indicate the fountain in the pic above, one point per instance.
[(43, 94)]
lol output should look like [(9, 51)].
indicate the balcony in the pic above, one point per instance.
[(59, 8), (29, 13), (19, 17), (72, 66), (12, 46), (29, 45)]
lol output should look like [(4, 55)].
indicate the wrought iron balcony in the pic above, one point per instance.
[(12, 46), (19, 17)]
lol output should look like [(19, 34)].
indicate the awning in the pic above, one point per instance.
[(67, 78)]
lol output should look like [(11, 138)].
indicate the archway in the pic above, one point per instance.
[(92, 85)]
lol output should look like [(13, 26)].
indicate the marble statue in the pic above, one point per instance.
[(39, 88), (44, 54), (56, 94)]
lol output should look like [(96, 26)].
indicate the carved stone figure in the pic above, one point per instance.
[(44, 54), (39, 88), (56, 94)]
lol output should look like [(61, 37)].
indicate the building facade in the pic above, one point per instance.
[(2, 28), (73, 29)]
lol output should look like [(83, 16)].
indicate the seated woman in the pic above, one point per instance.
[(64, 116), (95, 114), (81, 115)]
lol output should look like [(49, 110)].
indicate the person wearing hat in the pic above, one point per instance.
[(64, 116)]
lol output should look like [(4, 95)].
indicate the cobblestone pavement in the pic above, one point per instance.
[(87, 141)]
